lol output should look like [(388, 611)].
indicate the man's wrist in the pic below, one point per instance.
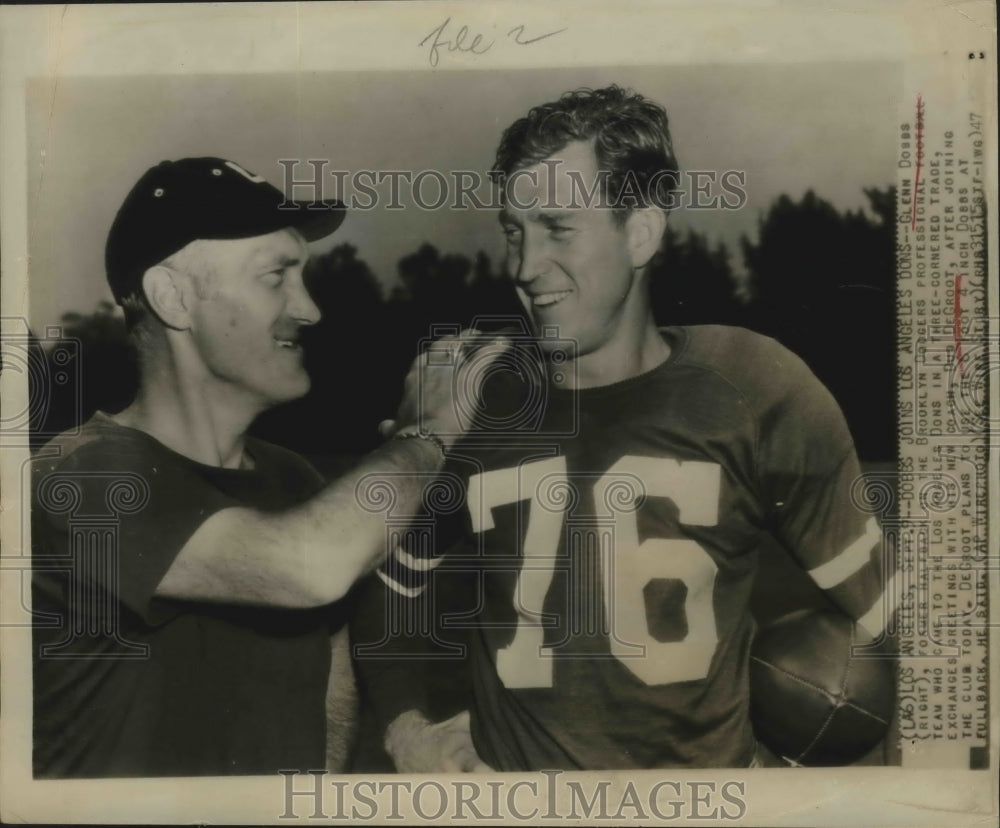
[(431, 438), (440, 433)]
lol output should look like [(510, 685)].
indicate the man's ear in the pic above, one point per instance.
[(645, 227), (165, 295)]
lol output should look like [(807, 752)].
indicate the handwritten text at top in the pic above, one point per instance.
[(445, 38)]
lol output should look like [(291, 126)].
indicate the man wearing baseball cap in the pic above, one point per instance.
[(187, 576)]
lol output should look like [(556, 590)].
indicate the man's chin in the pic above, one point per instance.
[(292, 389), (303, 388)]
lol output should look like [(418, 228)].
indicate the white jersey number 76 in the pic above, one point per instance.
[(693, 486)]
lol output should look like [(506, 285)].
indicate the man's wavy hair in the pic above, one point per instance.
[(630, 135)]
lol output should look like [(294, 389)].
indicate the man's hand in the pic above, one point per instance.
[(312, 554), (418, 746), (444, 384)]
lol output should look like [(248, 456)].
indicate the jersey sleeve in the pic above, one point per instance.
[(113, 516), (809, 478), (406, 657)]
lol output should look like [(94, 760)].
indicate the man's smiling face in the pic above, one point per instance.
[(570, 263), (249, 305)]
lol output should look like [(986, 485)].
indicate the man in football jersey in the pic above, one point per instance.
[(611, 545), (187, 576)]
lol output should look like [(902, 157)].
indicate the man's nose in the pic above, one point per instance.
[(300, 304), (533, 261)]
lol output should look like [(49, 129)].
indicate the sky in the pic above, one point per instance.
[(828, 127)]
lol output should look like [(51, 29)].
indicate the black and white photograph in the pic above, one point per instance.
[(498, 414)]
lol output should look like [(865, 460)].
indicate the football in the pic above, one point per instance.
[(811, 702)]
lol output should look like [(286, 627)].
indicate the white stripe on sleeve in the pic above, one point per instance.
[(883, 608), (849, 561), (414, 563), (408, 592)]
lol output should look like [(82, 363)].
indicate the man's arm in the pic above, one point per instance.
[(840, 547), (413, 668), (811, 481), (312, 554), (306, 556)]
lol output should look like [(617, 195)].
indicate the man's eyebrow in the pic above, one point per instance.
[(278, 261), (547, 218), (555, 217)]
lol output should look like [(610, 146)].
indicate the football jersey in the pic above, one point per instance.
[(609, 554)]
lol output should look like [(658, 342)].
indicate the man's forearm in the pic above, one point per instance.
[(340, 534), (312, 554)]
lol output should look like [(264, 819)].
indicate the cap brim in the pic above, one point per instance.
[(315, 220)]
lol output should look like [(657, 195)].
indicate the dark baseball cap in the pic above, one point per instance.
[(177, 202)]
